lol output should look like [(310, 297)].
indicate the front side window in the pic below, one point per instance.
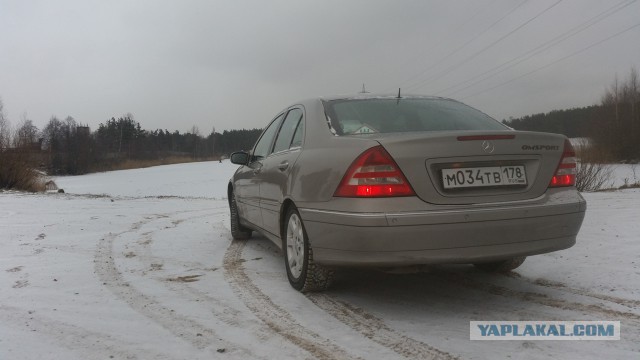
[(263, 146), (388, 115), (289, 126)]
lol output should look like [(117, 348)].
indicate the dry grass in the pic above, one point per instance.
[(18, 174), (139, 164), (591, 153), (629, 185)]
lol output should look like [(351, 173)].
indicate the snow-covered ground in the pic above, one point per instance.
[(623, 173), (191, 180), (139, 264)]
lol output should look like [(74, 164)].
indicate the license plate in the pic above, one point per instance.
[(483, 176)]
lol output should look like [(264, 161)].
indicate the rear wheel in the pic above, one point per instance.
[(303, 273), (501, 266), (238, 232)]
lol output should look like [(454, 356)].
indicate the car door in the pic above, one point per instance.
[(275, 176), (248, 177)]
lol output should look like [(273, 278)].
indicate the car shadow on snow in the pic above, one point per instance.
[(458, 289), (460, 292)]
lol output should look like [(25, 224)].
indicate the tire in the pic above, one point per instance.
[(501, 266), (303, 273), (238, 232)]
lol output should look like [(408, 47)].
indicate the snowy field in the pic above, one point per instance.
[(139, 264), (621, 173)]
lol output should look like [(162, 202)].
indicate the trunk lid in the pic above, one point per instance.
[(473, 167)]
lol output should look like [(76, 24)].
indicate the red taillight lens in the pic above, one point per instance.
[(566, 172), (374, 174)]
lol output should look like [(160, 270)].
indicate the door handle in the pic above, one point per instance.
[(283, 165)]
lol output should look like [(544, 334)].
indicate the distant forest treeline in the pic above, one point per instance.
[(613, 126), (68, 147), (572, 123)]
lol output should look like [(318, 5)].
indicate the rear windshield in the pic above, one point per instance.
[(367, 116)]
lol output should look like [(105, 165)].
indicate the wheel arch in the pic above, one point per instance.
[(284, 208), (229, 192)]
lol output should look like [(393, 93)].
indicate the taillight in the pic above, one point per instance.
[(566, 172), (374, 174)]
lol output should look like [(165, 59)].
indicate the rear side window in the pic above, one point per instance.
[(297, 137), (367, 116), (289, 126), (263, 146)]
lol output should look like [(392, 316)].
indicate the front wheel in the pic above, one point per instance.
[(303, 273), (501, 266)]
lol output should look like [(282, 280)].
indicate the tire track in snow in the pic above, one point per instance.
[(222, 310), (375, 329), (227, 314), (536, 297), (180, 326), (630, 303), (368, 325), (276, 318), (78, 339)]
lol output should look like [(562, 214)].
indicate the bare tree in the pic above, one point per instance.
[(5, 129), (611, 97), (16, 171), (618, 129), (213, 142), (52, 134), (195, 140), (26, 133), (633, 85)]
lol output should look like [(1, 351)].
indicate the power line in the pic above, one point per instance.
[(413, 59), (449, 69), (465, 44), (539, 49), (554, 62)]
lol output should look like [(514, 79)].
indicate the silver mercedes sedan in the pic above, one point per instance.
[(402, 180)]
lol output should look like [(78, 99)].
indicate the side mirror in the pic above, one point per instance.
[(239, 158)]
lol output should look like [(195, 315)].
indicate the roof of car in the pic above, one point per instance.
[(363, 96)]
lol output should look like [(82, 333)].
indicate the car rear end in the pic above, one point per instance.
[(438, 182)]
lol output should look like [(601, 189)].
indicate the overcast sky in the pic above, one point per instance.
[(235, 64)]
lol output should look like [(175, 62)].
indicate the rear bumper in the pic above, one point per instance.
[(470, 235)]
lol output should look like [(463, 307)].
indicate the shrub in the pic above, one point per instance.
[(592, 172), (16, 173), (593, 176)]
